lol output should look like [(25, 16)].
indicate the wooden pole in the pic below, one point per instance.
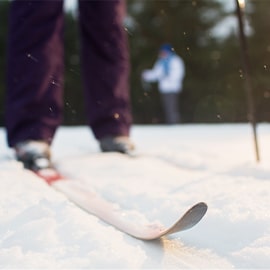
[(247, 78)]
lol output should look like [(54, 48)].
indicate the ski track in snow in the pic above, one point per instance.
[(176, 167)]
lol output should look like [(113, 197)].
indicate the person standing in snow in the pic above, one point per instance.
[(169, 71), (35, 67)]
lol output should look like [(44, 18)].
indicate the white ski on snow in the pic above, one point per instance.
[(109, 212)]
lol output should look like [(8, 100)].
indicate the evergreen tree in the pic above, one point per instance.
[(259, 50), (74, 113)]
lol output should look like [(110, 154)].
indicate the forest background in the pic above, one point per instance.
[(214, 82)]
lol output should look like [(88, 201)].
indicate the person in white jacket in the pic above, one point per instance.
[(169, 72)]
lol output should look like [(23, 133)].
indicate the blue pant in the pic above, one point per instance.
[(34, 100)]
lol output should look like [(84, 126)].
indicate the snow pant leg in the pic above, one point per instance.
[(171, 107), (105, 66), (34, 70)]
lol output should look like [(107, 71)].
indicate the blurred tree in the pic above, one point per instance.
[(74, 113), (259, 50)]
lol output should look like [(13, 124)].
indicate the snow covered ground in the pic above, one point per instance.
[(177, 167)]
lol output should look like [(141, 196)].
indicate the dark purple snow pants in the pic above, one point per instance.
[(34, 100)]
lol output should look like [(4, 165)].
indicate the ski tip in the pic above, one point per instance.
[(190, 218), (194, 215), (202, 205), (200, 209)]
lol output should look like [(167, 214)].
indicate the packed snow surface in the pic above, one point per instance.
[(175, 167)]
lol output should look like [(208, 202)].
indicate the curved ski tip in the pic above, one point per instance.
[(193, 215), (201, 204), (200, 207)]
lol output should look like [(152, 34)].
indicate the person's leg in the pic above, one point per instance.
[(105, 67), (34, 70), (171, 108)]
